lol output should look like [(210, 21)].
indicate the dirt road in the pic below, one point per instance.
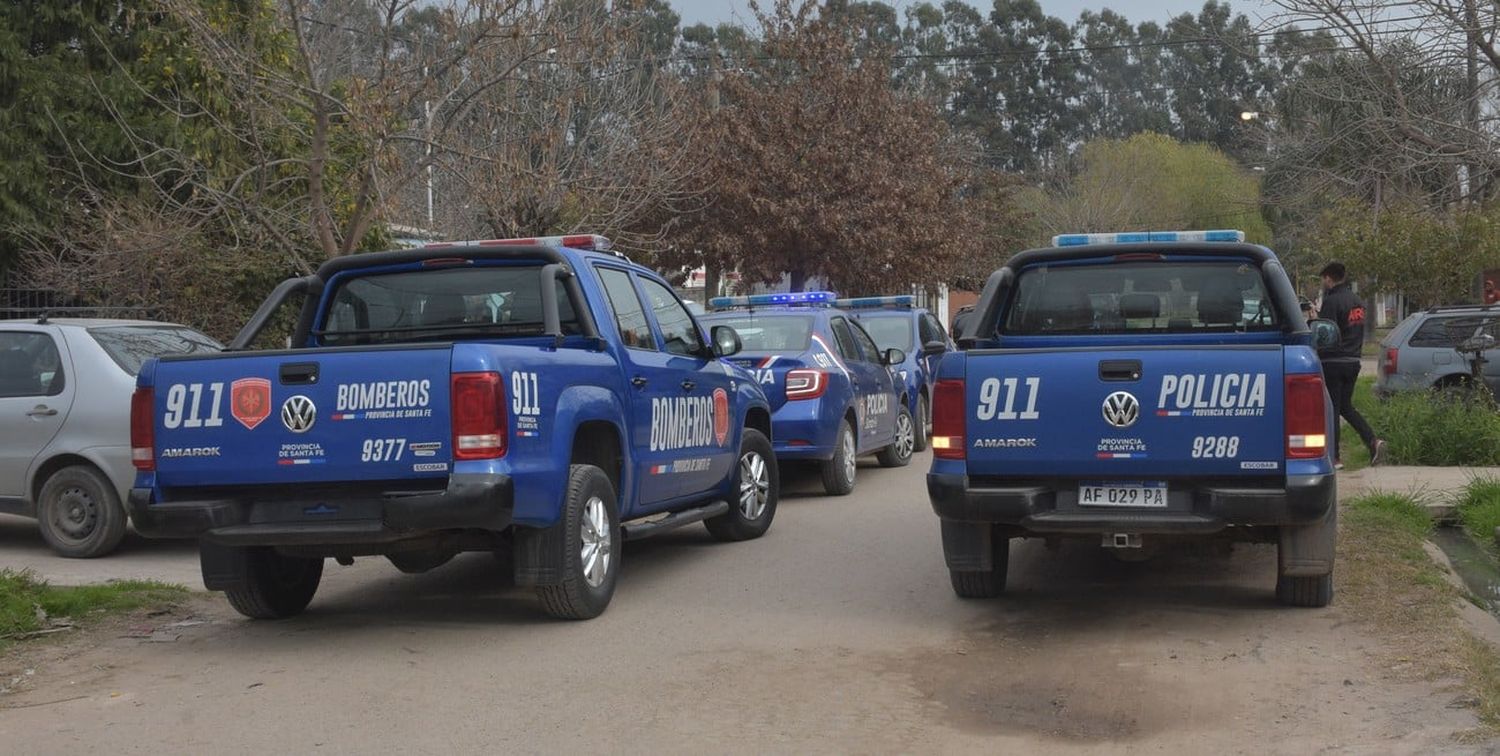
[(837, 632)]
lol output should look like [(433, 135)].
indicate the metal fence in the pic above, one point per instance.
[(37, 303)]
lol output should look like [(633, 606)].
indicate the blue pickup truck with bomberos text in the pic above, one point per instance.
[(539, 398)]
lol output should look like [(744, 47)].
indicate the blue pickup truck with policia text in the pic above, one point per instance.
[(539, 398), (1134, 389), (895, 322), (834, 394)]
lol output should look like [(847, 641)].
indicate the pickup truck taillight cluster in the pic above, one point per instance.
[(1306, 417), (479, 420), (948, 411), (142, 431)]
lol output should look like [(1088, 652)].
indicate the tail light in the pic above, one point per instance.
[(1306, 417), (1390, 360), (805, 384), (479, 421), (948, 420), (142, 429)]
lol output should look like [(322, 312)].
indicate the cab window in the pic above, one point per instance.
[(29, 365), (678, 331), (630, 317), (866, 344), (1189, 296), (845, 339)]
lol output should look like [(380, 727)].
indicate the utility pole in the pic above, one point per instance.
[(711, 271), (1471, 69)]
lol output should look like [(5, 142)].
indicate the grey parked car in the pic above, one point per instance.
[(65, 389), (1419, 353)]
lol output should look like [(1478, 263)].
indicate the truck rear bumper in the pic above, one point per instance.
[(1306, 499), (471, 501)]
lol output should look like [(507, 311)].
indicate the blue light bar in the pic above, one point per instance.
[(1136, 237), (860, 303), (763, 300)]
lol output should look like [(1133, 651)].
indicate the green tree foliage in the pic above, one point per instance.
[(1150, 182), (70, 104), (1432, 258)]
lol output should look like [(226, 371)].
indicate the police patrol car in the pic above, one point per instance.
[(538, 398), (834, 394), (1117, 387), (896, 322)]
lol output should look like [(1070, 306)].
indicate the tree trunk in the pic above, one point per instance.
[(799, 279)]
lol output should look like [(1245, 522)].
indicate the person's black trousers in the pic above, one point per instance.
[(1340, 378)]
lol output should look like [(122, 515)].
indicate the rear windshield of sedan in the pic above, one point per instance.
[(131, 346), (769, 333), (889, 331), (1141, 297)]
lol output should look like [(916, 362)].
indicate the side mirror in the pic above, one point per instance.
[(726, 341), (933, 347), (894, 356), (1325, 333)]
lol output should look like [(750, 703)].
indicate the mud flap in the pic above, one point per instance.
[(224, 567), (538, 555), (969, 546), (1307, 551)]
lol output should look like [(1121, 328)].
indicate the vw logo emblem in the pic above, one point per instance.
[(298, 414), (1121, 409)]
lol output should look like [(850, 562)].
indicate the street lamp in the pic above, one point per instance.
[(1249, 115)]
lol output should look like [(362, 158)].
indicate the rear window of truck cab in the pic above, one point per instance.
[(1167, 296), (417, 305)]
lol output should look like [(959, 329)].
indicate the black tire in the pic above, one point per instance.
[(898, 454), (983, 584), (924, 419), (275, 586), (838, 472), (577, 596), (752, 503), (1310, 592), (79, 513)]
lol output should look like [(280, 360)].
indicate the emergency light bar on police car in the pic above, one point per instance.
[(868, 303), (764, 300), (1137, 237), (593, 242)]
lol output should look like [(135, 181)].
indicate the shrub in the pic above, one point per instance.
[(1438, 429), (1479, 508)]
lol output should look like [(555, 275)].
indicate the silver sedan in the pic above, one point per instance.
[(65, 389)]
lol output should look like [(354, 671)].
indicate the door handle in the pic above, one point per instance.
[(688, 385), (638, 382), (41, 410)]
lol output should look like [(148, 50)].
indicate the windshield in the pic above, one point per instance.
[(441, 304), (774, 333), (131, 346), (1145, 297), (889, 332)]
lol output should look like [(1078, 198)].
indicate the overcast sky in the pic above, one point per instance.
[(718, 11)]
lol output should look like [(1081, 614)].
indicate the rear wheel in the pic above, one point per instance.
[(1312, 592), (838, 473), (980, 584), (591, 548), (274, 586), (756, 490), (923, 425), (79, 513), (898, 454)]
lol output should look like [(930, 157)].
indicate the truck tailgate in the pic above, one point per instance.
[(1103, 414), (305, 417)]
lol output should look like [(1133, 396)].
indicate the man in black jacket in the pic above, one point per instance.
[(1341, 361)]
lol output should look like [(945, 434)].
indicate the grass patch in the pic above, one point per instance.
[(22, 594), (1479, 509), (1387, 579), (1437, 429)]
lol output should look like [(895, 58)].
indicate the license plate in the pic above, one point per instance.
[(1122, 495)]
